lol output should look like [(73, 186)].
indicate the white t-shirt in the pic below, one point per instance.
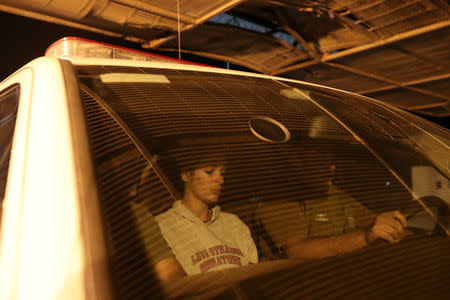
[(223, 242)]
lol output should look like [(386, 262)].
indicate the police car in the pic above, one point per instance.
[(90, 128)]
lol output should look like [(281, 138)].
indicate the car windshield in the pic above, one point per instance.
[(283, 144)]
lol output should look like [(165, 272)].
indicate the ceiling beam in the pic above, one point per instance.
[(174, 15), (193, 22), (442, 5), (379, 43), (423, 106), (358, 27), (395, 21), (445, 98), (427, 60), (247, 64), (394, 9), (409, 83), (147, 7), (156, 42), (55, 20), (309, 49), (367, 5)]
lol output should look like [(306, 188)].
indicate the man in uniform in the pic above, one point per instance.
[(329, 222)]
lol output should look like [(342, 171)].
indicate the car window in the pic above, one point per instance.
[(126, 182), (415, 150), (9, 100), (292, 152)]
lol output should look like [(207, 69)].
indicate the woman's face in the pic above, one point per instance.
[(205, 183)]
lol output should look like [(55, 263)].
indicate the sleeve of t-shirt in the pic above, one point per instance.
[(282, 220), (155, 244)]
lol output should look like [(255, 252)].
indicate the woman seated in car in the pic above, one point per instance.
[(202, 237)]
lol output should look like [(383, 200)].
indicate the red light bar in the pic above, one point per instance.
[(79, 47)]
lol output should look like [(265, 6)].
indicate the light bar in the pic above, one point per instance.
[(79, 47), (131, 77)]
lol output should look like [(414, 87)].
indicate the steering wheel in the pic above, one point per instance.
[(414, 208), (442, 214)]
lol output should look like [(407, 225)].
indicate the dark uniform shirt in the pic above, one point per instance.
[(334, 214)]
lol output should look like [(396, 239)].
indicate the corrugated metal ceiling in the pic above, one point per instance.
[(393, 50)]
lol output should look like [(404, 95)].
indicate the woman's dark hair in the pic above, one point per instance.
[(173, 163)]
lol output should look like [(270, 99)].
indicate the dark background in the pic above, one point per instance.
[(24, 39)]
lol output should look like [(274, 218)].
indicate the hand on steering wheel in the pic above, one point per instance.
[(392, 226), (440, 217), (389, 226)]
